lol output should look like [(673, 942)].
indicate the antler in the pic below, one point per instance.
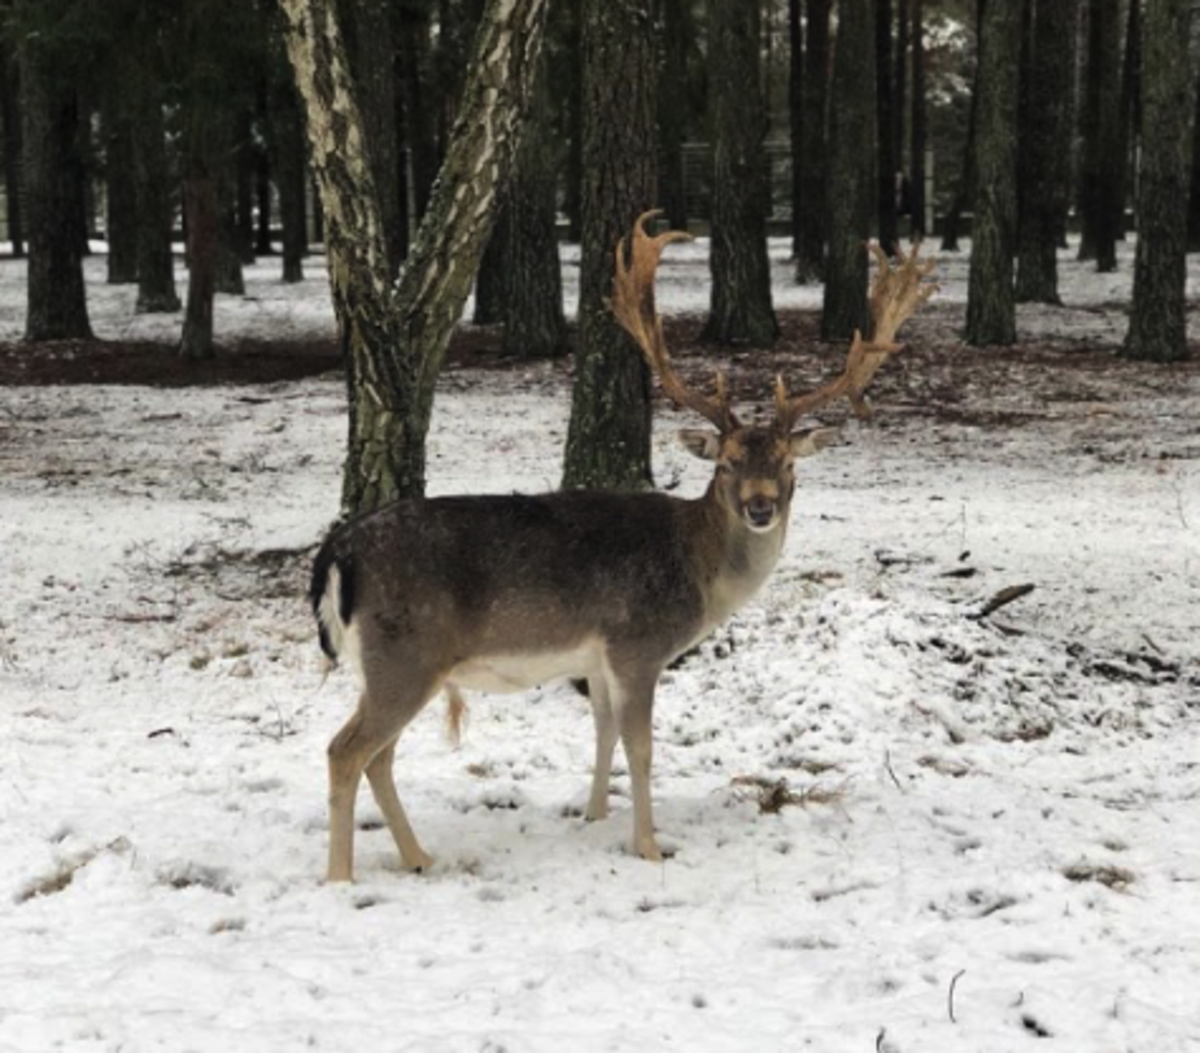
[(896, 293), (632, 305)]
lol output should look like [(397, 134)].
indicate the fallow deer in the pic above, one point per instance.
[(501, 593)]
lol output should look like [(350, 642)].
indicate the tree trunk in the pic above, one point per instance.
[(491, 283), (916, 182), (262, 167), (889, 230), (155, 256), (796, 116), (10, 113), (534, 324), (288, 161), (1157, 322), (741, 311), (201, 205), (57, 302), (121, 223), (1045, 146), (243, 187), (810, 212), (229, 278), (418, 119), (608, 442), (991, 304), (967, 176), (1100, 178), (674, 36), (394, 337), (852, 184), (573, 191), (372, 51)]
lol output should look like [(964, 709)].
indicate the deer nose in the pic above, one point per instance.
[(760, 510)]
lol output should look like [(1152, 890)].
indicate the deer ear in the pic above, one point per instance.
[(806, 443), (703, 444)]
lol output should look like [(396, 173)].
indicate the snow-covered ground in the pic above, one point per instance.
[(895, 827)]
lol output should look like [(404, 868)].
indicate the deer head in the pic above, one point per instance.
[(755, 475)]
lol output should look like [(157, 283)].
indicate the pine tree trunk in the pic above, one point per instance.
[(1157, 322), (121, 223), (991, 304), (889, 230), (1100, 178), (672, 112), (608, 441), (916, 184), (741, 311), (229, 278), (10, 114), (201, 205), (492, 280), (262, 168), (796, 116), (418, 122), (395, 337), (244, 173), (289, 162), (57, 303), (1045, 172), (534, 324), (851, 179), (573, 191), (371, 47), (810, 214), (155, 256)]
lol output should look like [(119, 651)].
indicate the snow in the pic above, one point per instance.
[(988, 839)]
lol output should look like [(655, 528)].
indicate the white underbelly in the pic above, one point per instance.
[(507, 674)]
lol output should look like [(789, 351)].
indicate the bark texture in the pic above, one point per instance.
[(608, 441), (889, 231), (741, 311), (57, 304), (1101, 180), (851, 180), (1157, 323), (1045, 146), (809, 213), (394, 338), (120, 226), (991, 301)]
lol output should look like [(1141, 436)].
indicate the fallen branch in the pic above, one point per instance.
[(1002, 599), (950, 996)]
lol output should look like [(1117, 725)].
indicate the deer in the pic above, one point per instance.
[(501, 593)]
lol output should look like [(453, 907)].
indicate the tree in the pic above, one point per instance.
[(967, 175), (288, 155), (120, 226), (741, 311), (851, 177), (1101, 182), (808, 211), (1045, 150), (608, 441), (57, 302), (676, 33), (10, 93), (991, 304), (1157, 323), (394, 335), (889, 144), (919, 122)]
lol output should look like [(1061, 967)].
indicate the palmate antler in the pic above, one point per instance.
[(632, 305), (896, 293)]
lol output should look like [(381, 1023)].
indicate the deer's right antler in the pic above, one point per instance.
[(632, 305)]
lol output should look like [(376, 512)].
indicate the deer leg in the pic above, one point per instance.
[(379, 775), (635, 707), (370, 731), (606, 742)]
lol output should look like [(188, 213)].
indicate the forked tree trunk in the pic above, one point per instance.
[(394, 338), (851, 179), (991, 303), (741, 311), (608, 441), (1157, 322)]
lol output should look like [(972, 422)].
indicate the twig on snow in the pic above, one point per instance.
[(950, 995), (1002, 599)]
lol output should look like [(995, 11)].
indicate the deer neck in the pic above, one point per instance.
[(733, 561)]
